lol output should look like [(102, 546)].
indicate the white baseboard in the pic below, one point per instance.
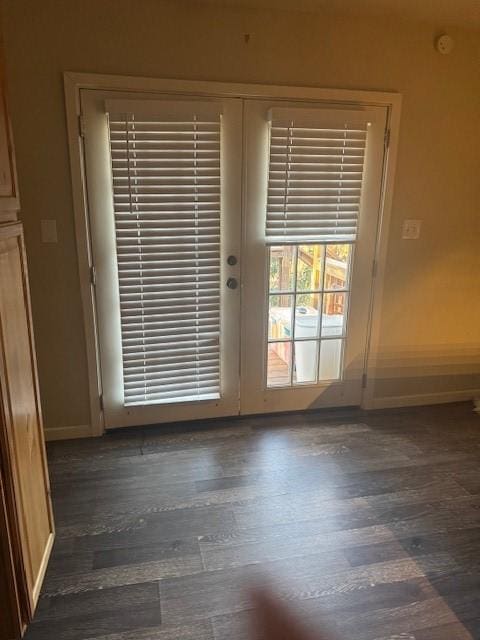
[(69, 433), (442, 397), (388, 402)]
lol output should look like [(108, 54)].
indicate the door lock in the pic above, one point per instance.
[(232, 283), (232, 260)]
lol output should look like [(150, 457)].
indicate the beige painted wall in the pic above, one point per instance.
[(430, 336)]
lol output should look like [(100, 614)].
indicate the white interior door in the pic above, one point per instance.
[(163, 177), (312, 201)]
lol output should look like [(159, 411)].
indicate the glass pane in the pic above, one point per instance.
[(280, 317), (334, 314), (282, 268), (330, 360), (337, 263), (309, 267), (307, 315), (279, 364), (306, 354)]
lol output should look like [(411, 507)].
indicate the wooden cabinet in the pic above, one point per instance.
[(9, 200), (26, 477), (26, 522)]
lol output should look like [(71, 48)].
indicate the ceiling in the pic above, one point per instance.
[(462, 13)]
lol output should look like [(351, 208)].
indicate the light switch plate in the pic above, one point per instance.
[(411, 229), (48, 229)]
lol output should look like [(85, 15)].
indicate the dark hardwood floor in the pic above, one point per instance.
[(367, 524)]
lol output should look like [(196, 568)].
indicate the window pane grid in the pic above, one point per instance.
[(307, 324), (289, 292)]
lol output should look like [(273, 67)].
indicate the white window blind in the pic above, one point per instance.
[(315, 175), (166, 191)]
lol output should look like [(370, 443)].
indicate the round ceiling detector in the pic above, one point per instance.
[(444, 44)]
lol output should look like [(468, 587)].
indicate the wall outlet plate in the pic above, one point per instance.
[(411, 229)]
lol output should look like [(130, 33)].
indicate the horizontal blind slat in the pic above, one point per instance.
[(166, 197), (315, 180)]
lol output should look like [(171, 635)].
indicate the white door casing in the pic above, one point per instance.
[(81, 93)]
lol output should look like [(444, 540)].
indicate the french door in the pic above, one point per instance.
[(232, 242), (164, 194), (313, 191)]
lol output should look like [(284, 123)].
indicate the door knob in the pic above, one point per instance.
[(232, 283)]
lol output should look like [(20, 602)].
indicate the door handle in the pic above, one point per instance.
[(232, 283)]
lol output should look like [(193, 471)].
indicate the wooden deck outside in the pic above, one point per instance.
[(278, 371)]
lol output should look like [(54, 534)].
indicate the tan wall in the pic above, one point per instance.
[(431, 301)]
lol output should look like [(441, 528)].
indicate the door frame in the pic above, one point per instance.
[(74, 83)]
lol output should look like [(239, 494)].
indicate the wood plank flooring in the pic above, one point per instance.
[(366, 524)]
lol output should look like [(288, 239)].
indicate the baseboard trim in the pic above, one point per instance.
[(442, 397), (388, 402), (69, 433)]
